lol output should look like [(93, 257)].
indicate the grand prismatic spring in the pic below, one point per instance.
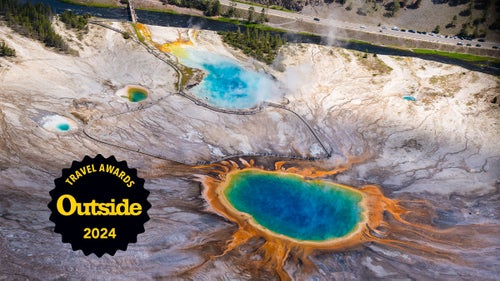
[(297, 213), (287, 204)]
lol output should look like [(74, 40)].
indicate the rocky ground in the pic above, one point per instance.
[(452, 109), (441, 148)]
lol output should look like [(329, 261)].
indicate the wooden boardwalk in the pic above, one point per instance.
[(169, 60), (133, 16)]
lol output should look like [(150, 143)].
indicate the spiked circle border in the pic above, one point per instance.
[(101, 183)]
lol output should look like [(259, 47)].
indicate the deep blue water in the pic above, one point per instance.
[(286, 204), (227, 84)]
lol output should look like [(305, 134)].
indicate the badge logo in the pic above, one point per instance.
[(99, 205)]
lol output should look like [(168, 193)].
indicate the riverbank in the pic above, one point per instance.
[(149, 5), (96, 3), (481, 58)]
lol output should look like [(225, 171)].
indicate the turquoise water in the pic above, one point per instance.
[(286, 204), (63, 127), (136, 95), (226, 83), (409, 98)]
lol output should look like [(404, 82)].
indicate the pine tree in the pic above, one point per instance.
[(262, 17), (251, 12)]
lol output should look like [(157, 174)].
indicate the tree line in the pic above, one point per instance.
[(32, 20), (72, 20), (256, 43), (209, 7)]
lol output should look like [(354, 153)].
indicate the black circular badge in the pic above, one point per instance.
[(99, 205)]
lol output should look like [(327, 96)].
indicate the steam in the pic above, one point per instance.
[(331, 37), (298, 78), (331, 33)]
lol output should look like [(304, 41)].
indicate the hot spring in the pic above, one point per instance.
[(58, 124), (136, 95), (295, 213), (63, 127), (289, 205), (227, 84), (133, 93)]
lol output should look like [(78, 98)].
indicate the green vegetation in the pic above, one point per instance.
[(274, 7), (209, 7), (460, 56), (90, 3), (256, 43), (307, 34), (392, 8), (231, 11), (453, 22), (251, 12), (32, 20), (188, 74), (72, 20), (375, 65), (159, 10), (474, 59), (6, 50), (415, 5), (229, 20), (261, 27), (254, 18), (138, 34), (356, 41)]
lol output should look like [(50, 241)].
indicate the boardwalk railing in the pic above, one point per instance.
[(167, 59), (133, 16)]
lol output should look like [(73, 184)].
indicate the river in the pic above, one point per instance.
[(178, 20)]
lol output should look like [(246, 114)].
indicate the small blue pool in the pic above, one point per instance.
[(409, 98), (63, 127)]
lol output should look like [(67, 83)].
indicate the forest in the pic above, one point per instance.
[(32, 20), (261, 45)]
